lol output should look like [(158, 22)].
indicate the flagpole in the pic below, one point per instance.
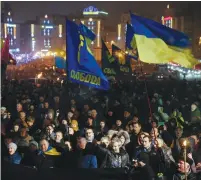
[(146, 89)]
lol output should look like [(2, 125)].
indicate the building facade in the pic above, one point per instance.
[(9, 28), (47, 33)]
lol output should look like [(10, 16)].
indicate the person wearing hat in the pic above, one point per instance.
[(13, 157), (31, 155)]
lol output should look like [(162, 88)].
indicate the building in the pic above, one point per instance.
[(186, 20), (9, 28), (47, 33), (94, 19)]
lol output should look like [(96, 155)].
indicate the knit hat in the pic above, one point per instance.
[(33, 143), (13, 146)]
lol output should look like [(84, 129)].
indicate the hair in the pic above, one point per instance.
[(43, 139), (115, 140), (149, 137), (137, 123), (105, 138), (102, 120), (31, 119)]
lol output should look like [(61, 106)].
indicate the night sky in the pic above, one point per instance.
[(29, 10)]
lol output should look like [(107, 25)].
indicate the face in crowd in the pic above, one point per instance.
[(44, 144), (93, 113), (50, 129), (89, 134), (118, 123), (19, 107), (59, 137), (115, 146), (123, 140), (146, 142), (46, 105), (154, 133), (81, 143), (102, 124), (126, 114), (178, 133), (136, 128)]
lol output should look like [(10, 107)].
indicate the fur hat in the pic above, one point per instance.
[(125, 134)]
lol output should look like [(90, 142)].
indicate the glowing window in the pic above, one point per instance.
[(200, 41), (7, 19), (10, 19)]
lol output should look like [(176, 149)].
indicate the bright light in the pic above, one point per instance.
[(92, 42), (119, 31), (168, 6), (185, 143), (62, 81), (200, 41), (39, 75), (98, 34), (112, 42), (11, 25), (32, 30), (57, 79), (49, 27), (9, 13), (46, 16), (60, 30), (90, 19)]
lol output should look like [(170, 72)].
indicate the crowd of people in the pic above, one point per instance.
[(131, 126)]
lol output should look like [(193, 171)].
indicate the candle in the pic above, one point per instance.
[(184, 144)]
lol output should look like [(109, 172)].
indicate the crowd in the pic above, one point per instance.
[(126, 127)]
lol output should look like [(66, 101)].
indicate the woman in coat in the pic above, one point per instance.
[(116, 157)]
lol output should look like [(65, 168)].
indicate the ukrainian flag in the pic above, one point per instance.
[(159, 44)]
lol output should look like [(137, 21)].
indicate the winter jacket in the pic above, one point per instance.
[(14, 159), (116, 160), (88, 161)]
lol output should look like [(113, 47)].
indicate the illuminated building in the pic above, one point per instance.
[(11, 29), (94, 20), (46, 33)]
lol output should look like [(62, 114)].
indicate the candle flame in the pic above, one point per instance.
[(39, 75), (184, 143)]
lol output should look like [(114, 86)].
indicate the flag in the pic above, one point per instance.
[(159, 44), (123, 60), (109, 63), (131, 46), (82, 66), (60, 62)]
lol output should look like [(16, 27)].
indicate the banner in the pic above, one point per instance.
[(124, 62), (110, 66), (82, 66)]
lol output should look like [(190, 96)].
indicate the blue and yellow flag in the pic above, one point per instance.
[(123, 60), (82, 66), (159, 44), (131, 46)]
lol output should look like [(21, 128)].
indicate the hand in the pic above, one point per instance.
[(198, 166), (141, 164), (190, 156), (68, 144)]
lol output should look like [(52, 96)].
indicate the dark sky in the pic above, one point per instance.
[(29, 10)]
